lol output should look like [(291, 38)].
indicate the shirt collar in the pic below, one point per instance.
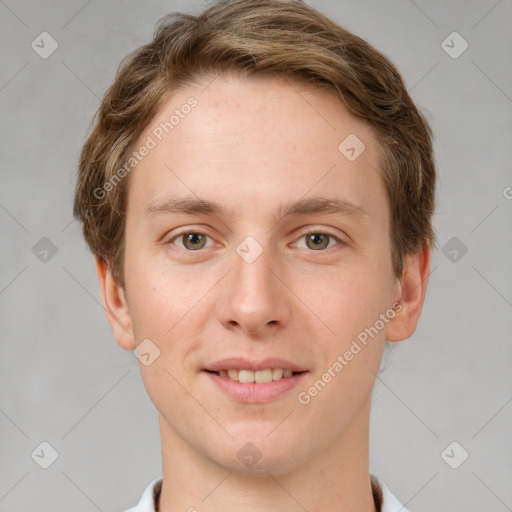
[(384, 499)]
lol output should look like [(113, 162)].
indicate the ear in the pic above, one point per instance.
[(116, 306), (412, 287)]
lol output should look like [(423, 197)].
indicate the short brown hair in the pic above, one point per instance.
[(257, 37)]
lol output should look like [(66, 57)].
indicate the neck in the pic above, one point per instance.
[(337, 479)]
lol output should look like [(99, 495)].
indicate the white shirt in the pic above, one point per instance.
[(389, 503)]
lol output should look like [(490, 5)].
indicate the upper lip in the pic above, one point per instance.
[(242, 363)]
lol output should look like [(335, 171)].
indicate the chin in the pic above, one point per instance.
[(260, 454)]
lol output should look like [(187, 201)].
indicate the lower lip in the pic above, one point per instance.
[(253, 392)]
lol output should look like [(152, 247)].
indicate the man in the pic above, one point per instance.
[(258, 191)]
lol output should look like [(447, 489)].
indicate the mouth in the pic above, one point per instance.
[(256, 382), (264, 376)]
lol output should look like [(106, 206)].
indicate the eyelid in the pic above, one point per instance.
[(181, 230)]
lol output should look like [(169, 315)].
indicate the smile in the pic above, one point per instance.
[(255, 386), (258, 376)]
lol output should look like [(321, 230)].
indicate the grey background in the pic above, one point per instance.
[(64, 380)]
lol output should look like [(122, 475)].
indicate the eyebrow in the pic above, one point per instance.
[(194, 205)]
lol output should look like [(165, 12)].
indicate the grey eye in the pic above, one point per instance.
[(317, 241), (193, 241)]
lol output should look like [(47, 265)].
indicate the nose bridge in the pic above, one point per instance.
[(251, 274), (254, 298)]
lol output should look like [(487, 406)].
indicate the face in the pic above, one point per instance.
[(255, 249)]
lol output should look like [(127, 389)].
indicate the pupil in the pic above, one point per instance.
[(318, 238), (193, 239)]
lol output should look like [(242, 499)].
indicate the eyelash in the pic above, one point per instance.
[(303, 234)]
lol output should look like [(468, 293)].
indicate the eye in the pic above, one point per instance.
[(195, 240), (191, 240), (317, 240)]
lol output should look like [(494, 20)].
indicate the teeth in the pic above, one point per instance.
[(259, 376), (245, 376), (277, 373), (262, 376)]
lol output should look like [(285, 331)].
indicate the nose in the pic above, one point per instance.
[(254, 299)]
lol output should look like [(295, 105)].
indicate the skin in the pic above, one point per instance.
[(252, 145)]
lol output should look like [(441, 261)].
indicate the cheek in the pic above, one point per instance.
[(166, 304), (352, 307), (348, 301)]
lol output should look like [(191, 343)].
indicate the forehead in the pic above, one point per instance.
[(250, 141)]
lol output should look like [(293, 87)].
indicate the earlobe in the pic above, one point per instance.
[(412, 286), (115, 306)]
